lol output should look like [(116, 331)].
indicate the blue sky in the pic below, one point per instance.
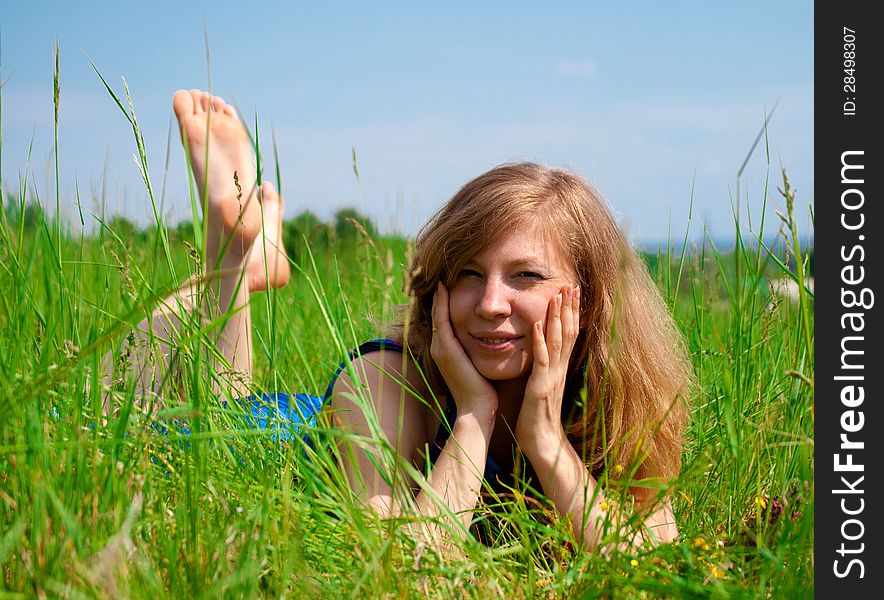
[(646, 99)]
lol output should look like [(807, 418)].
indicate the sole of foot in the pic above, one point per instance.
[(224, 170)]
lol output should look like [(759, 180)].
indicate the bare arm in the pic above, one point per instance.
[(576, 495), (456, 477), (564, 478)]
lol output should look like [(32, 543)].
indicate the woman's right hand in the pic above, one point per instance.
[(470, 390)]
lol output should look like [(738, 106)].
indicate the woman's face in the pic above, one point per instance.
[(500, 293)]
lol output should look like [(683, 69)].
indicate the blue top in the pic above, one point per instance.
[(291, 419)]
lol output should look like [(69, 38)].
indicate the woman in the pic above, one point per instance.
[(533, 329)]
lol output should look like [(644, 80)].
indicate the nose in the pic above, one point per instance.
[(494, 301)]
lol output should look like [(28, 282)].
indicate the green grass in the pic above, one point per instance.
[(102, 510)]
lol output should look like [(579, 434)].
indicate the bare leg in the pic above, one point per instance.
[(268, 266), (223, 167)]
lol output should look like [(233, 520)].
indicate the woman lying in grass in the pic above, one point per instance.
[(533, 332)]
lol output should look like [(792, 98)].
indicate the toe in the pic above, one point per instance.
[(230, 111), (268, 194), (205, 100), (182, 103), (195, 97), (218, 103)]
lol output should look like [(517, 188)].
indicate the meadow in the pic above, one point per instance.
[(93, 507)]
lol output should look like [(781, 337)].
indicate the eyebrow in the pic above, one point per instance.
[(531, 260)]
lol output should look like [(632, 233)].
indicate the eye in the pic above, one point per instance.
[(532, 275), (468, 273)]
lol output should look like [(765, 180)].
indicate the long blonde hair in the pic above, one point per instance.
[(629, 356)]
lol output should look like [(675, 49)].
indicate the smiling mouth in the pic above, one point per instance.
[(497, 342), (494, 341)]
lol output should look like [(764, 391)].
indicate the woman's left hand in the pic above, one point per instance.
[(539, 426)]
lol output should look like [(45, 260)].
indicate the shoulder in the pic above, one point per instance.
[(384, 378), (374, 366), (384, 390)]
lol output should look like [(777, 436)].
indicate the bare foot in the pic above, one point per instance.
[(268, 266), (226, 178)]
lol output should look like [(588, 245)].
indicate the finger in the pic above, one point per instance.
[(554, 328), (448, 353), (541, 354), (441, 323), (434, 310), (575, 312), (569, 326), (566, 313), (443, 302)]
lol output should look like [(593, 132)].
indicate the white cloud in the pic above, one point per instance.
[(576, 68)]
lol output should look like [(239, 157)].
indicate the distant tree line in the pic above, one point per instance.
[(347, 226)]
